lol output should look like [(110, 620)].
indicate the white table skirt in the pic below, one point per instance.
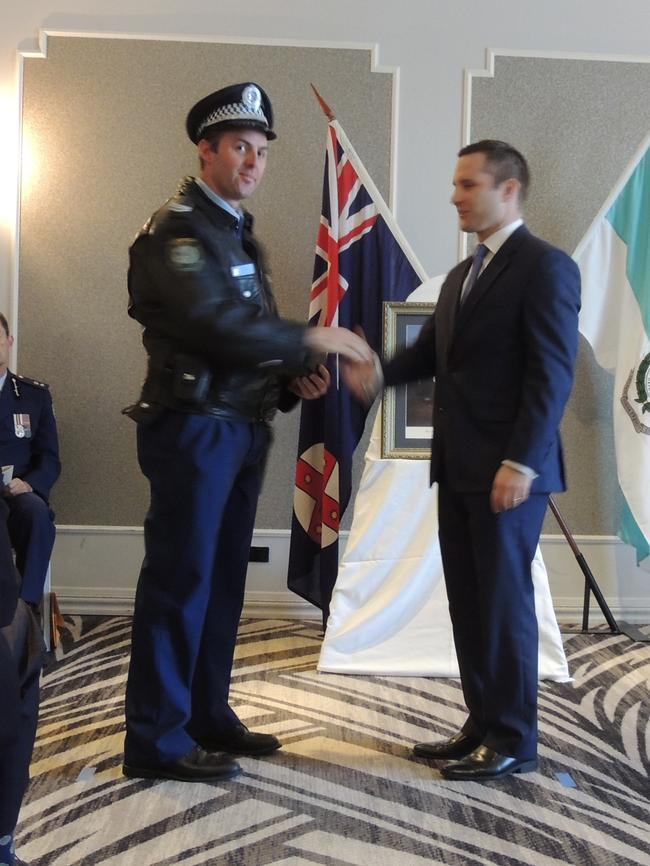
[(389, 611)]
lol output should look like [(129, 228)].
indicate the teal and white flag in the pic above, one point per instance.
[(614, 261)]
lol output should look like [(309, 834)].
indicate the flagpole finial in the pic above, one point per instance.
[(329, 114)]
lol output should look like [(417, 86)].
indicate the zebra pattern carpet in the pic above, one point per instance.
[(344, 789)]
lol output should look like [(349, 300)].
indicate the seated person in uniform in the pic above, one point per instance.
[(21, 655), (29, 455)]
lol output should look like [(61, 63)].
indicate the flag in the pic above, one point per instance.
[(614, 261), (361, 261)]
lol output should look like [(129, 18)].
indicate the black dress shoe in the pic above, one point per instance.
[(457, 747), (484, 763), (240, 741), (197, 766)]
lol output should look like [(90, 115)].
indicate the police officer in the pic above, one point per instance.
[(220, 362), (29, 454)]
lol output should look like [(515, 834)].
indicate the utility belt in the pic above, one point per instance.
[(188, 384)]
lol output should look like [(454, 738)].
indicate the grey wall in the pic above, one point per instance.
[(105, 118), (578, 122), (432, 42)]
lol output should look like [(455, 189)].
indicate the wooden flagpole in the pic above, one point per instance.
[(329, 114)]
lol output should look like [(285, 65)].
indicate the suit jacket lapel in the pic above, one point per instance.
[(447, 307), (496, 267)]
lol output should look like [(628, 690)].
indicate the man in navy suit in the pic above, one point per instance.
[(29, 454), (501, 345)]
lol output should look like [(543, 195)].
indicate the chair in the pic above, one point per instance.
[(52, 618)]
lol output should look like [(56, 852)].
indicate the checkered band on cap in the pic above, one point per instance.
[(243, 104), (234, 111)]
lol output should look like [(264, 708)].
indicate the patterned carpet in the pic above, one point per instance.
[(344, 790)]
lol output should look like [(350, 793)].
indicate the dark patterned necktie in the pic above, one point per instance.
[(479, 255)]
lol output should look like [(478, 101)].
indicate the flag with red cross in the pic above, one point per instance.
[(361, 261)]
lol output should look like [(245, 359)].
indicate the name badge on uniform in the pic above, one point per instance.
[(22, 426), (246, 269)]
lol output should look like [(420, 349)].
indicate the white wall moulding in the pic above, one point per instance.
[(95, 569)]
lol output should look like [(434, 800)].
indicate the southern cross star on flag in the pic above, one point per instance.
[(361, 261)]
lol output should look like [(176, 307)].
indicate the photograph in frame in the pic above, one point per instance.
[(407, 410)]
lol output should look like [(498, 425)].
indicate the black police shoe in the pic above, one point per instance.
[(240, 741), (198, 765)]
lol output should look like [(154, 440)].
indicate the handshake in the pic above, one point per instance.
[(361, 368)]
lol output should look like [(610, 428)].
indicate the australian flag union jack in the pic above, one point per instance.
[(361, 261)]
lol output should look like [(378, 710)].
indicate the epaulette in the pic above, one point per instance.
[(34, 382), (180, 204)]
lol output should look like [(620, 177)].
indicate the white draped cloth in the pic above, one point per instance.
[(389, 612)]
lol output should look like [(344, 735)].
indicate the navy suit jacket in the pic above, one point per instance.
[(35, 454), (503, 365)]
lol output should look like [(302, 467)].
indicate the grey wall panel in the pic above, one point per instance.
[(104, 119), (578, 122)]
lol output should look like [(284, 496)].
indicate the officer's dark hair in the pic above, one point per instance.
[(213, 137), (4, 323), (503, 161)]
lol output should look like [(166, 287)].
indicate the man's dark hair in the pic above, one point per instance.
[(503, 160), (214, 136), (4, 323)]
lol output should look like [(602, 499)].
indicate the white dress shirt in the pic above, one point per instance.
[(495, 242)]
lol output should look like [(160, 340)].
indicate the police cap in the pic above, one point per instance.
[(239, 105)]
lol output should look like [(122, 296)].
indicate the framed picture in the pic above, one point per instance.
[(407, 410)]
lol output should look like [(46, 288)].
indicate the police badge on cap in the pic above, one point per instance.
[(240, 105)]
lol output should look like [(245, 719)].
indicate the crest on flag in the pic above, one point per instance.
[(637, 405), (643, 383), (316, 503), (361, 261)]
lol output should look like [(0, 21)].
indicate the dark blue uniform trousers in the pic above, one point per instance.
[(205, 475), (487, 564), (31, 529)]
